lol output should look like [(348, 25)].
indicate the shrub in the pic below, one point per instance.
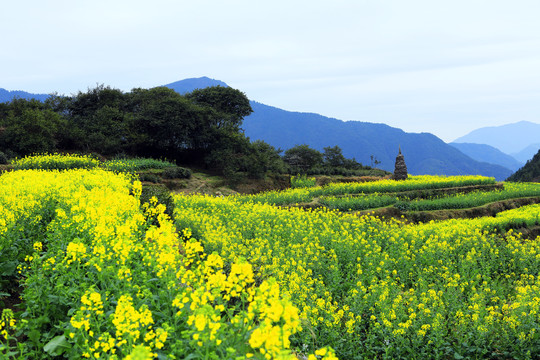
[(302, 181), (162, 195), (153, 178), (3, 158), (176, 173)]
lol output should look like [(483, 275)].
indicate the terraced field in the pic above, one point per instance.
[(304, 273)]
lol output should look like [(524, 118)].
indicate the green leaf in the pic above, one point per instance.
[(8, 268), (457, 356), (57, 346), (34, 336)]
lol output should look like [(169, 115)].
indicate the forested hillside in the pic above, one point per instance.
[(424, 152), (529, 172)]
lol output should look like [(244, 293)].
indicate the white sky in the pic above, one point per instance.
[(445, 67)]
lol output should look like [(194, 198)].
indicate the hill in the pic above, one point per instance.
[(509, 138), (6, 95), (489, 154), (424, 153), (529, 172), (188, 85), (527, 153)]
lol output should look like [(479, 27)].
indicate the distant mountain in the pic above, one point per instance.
[(6, 95), (188, 85), (527, 153), (510, 138), (424, 153), (529, 172), (488, 154)]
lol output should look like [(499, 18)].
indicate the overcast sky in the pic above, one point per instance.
[(445, 67)]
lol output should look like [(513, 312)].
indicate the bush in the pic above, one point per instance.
[(162, 195), (3, 158), (176, 173), (302, 181), (153, 178)]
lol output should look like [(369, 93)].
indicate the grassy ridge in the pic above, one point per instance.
[(441, 201), (453, 289), (307, 194)]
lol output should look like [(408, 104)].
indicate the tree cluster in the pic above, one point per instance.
[(201, 128), (304, 160)]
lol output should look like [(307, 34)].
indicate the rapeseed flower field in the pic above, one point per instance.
[(101, 281), (103, 277), (372, 289)]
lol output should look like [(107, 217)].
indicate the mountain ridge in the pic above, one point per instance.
[(424, 152), (8, 95), (509, 138), (488, 154)]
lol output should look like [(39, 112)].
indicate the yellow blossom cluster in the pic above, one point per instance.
[(113, 285), (7, 322), (56, 161)]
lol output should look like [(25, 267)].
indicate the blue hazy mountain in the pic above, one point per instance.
[(6, 95), (188, 85), (527, 153), (489, 154), (509, 138), (424, 152)]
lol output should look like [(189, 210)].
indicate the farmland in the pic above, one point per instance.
[(302, 273)]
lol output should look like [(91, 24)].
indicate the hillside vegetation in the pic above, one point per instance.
[(529, 172), (104, 269)]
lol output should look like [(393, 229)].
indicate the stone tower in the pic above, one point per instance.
[(400, 171)]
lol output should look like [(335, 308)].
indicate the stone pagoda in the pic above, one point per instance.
[(400, 171)]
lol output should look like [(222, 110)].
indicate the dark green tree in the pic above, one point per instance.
[(97, 119), (530, 172), (162, 123), (30, 131), (301, 158), (85, 104), (333, 156), (229, 106), (265, 159)]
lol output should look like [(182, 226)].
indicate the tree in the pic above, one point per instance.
[(84, 105), (264, 159), (374, 160), (96, 118), (229, 105), (31, 131), (301, 158), (333, 156), (28, 126), (162, 122)]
